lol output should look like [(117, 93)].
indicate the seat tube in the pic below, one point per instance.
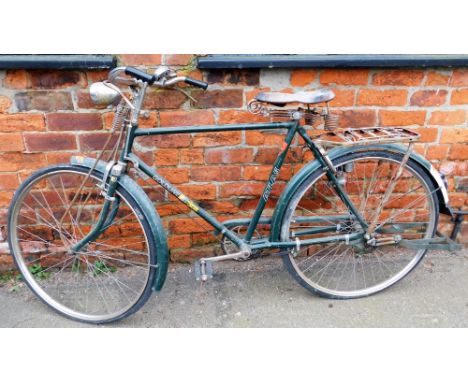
[(271, 181)]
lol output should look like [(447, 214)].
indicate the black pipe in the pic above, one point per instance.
[(57, 61), (255, 61)]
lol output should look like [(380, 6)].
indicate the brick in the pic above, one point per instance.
[(239, 116), (96, 141), (459, 152), (191, 156), (229, 155), (199, 192), (11, 142), (344, 76), (262, 173), (172, 209), (401, 118), (21, 122), (186, 118), (456, 117), (188, 225), (222, 207), (454, 168), (229, 138), (256, 138), (97, 75), (21, 162), (459, 77), (175, 175), (436, 79), (428, 134), (5, 104), (178, 59), (267, 155), (43, 101), (58, 157), (454, 135), (303, 77), (53, 79), (437, 152), (249, 77), (49, 141), (141, 59), (9, 181), (202, 239), (5, 198), (164, 99), (179, 241), (16, 79), (6, 262), (457, 199), (166, 157), (241, 189), (459, 97), (428, 98), (166, 141), (398, 77), (74, 121), (217, 174), (229, 98), (358, 118), (371, 97), (343, 98)]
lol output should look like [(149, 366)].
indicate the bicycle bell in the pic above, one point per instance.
[(104, 93)]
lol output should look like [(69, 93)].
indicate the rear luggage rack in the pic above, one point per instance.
[(366, 136)]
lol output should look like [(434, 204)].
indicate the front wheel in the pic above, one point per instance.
[(356, 269), (108, 279)]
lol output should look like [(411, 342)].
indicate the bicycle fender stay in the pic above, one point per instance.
[(338, 152), (145, 205)]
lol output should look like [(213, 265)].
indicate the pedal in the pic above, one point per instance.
[(203, 270)]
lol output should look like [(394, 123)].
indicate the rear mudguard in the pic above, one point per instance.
[(148, 212), (338, 152)]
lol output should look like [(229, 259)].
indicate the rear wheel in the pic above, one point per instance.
[(105, 281), (356, 269)]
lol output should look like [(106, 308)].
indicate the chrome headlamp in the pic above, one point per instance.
[(104, 93)]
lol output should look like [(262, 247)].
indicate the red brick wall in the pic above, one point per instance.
[(46, 116)]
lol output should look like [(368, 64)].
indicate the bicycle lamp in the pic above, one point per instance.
[(103, 93)]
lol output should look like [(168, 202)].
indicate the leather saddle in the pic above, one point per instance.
[(308, 98)]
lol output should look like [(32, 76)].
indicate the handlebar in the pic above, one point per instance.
[(140, 75), (164, 81), (199, 84)]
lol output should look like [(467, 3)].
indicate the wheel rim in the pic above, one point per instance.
[(105, 279), (349, 271)]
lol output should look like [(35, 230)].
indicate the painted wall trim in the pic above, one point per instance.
[(57, 61), (253, 61)]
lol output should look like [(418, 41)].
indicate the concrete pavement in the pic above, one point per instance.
[(261, 293)]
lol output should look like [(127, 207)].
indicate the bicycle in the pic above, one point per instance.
[(354, 221)]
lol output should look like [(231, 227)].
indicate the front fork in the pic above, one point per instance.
[(109, 210)]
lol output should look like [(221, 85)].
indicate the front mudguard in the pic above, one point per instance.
[(146, 207), (296, 181)]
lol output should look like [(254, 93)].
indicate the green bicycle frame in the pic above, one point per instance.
[(292, 127)]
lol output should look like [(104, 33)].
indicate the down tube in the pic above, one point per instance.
[(271, 181), (186, 200)]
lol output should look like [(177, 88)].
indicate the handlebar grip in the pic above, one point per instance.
[(140, 75), (198, 84)]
